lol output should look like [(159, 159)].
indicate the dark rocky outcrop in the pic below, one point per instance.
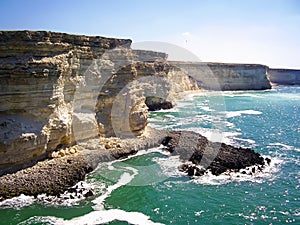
[(216, 157), (156, 103)]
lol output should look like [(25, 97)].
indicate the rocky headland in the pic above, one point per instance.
[(59, 89), (68, 102)]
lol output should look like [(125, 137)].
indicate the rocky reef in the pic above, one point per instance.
[(284, 76), (226, 76)]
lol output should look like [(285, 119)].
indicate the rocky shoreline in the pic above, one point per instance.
[(55, 176), (59, 89)]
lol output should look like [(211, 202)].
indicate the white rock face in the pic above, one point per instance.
[(225, 76), (284, 76)]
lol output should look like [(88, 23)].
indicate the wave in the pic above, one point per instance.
[(215, 135), (95, 217), (230, 114), (71, 197), (206, 108), (17, 202), (123, 180), (284, 146), (169, 166)]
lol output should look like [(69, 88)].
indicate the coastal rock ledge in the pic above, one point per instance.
[(69, 102), (198, 155)]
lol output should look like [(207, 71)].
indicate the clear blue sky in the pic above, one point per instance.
[(246, 31)]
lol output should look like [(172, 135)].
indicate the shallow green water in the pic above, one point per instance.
[(149, 188)]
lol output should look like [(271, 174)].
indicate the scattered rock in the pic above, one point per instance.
[(89, 194), (64, 152)]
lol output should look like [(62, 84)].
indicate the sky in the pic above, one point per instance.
[(234, 31)]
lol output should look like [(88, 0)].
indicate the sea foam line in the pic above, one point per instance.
[(230, 114), (100, 215), (96, 217), (285, 147), (123, 180), (215, 135)]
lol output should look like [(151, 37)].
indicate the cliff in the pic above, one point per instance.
[(284, 76), (225, 76), (58, 89)]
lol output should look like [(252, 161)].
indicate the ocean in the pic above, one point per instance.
[(148, 189)]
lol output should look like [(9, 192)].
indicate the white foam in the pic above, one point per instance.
[(169, 116), (267, 173), (244, 142), (250, 141), (206, 108), (159, 149), (123, 180), (216, 135), (97, 217), (65, 199), (68, 198), (169, 165), (198, 213), (17, 202), (231, 114), (285, 147), (241, 94)]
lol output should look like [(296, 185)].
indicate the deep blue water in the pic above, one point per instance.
[(147, 189)]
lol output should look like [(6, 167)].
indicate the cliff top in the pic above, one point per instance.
[(26, 36), (218, 63)]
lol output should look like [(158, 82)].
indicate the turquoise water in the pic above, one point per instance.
[(147, 189)]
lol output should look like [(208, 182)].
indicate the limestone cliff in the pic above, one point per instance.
[(284, 76), (58, 89), (225, 76)]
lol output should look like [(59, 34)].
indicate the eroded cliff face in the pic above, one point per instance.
[(284, 76), (225, 76), (58, 89)]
